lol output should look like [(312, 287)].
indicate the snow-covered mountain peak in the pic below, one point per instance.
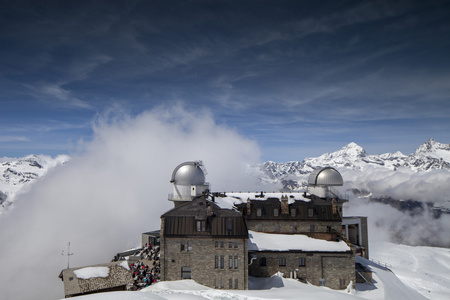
[(17, 173), (433, 149), (351, 150)]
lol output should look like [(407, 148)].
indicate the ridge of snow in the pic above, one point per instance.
[(258, 241), (92, 272)]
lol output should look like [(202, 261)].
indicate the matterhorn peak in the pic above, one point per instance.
[(353, 150)]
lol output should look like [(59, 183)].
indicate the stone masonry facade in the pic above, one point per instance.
[(214, 262), (337, 269)]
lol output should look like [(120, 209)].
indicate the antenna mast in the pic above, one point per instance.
[(68, 254)]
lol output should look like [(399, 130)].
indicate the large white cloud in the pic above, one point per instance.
[(413, 226), (105, 197)]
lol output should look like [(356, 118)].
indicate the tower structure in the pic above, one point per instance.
[(188, 181), (321, 181)]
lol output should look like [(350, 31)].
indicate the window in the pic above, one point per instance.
[(230, 262), (235, 261), (189, 248), (342, 282), (294, 228), (258, 212), (259, 227), (301, 262), (328, 228), (217, 283), (230, 283), (236, 284), (230, 244), (310, 212), (282, 261), (216, 244), (236, 244), (275, 212), (222, 244), (182, 246), (201, 226), (229, 225), (311, 228), (222, 261), (216, 262), (293, 212), (185, 272), (262, 261), (277, 228)]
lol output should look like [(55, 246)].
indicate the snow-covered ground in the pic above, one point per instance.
[(425, 269), (415, 273)]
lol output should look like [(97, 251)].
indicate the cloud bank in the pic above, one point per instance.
[(414, 226), (105, 197)]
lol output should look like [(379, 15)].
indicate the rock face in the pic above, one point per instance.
[(16, 174)]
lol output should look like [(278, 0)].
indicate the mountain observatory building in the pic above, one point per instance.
[(220, 239)]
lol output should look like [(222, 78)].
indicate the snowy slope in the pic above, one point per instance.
[(386, 286), (17, 174), (425, 269)]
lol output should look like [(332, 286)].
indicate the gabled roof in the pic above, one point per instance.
[(198, 207)]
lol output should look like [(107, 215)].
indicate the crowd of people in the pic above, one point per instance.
[(145, 271)]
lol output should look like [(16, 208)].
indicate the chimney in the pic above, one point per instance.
[(209, 211), (249, 209), (284, 205)]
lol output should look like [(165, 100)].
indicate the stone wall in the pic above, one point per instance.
[(199, 255), (337, 268)]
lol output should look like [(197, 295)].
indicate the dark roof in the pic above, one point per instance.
[(218, 222), (322, 210), (198, 207)]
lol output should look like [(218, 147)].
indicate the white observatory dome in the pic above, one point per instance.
[(188, 173), (327, 176)]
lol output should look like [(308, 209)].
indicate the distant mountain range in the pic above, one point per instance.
[(293, 175), (17, 174)]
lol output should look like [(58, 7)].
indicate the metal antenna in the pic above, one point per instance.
[(68, 254)]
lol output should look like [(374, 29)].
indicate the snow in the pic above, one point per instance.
[(125, 265), (425, 269), (241, 197), (386, 286), (258, 241), (415, 273), (92, 272)]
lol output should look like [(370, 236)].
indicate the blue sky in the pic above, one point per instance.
[(300, 77)]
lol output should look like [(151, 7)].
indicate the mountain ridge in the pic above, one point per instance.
[(430, 155)]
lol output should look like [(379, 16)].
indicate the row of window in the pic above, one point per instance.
[(219, 262), (186, 274), (312, 228), (201, 225), (220, 283), (276, 212), (187, 246), (282, 261), (221, 244)]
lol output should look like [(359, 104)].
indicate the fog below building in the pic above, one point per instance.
[(117, 187)]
